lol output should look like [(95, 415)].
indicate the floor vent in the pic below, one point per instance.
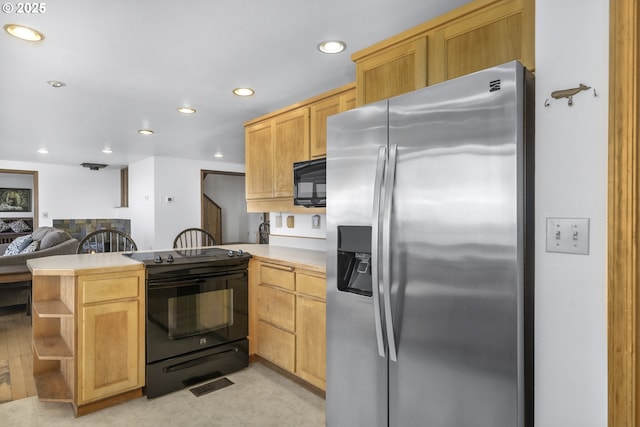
[(210, 387)]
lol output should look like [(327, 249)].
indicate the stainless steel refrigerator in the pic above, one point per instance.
[(430, 256)]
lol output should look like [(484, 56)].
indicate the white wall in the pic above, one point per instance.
[(68, 192), (571, 181), (301, 235), (142, 203), (154, 221)]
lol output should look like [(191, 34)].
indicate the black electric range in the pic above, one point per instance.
[(197, 310)]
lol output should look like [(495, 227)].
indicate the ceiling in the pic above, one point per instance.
[(128, 65)]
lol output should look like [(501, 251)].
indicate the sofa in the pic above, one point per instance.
[(42, 242)]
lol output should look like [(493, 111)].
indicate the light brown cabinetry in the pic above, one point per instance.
[(259, 161), (290, 325), (275, 141), (276, 315), (111, 334), (478, 35), (291, 145), (320, 110), (311, 331), (392, 71), (270, 146), (88, 337)]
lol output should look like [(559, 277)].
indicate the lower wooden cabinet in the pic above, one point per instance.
[(88, 337), (276, 345), (109, 350), (311, 340), (289, 327)]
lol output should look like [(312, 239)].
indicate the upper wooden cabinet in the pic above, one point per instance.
[(291, 145), (475, 36), (259, 160), (398, 69), (275, 141), (319, 111), (270, 146)]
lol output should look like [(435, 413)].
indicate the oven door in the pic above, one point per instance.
[(191, 313)]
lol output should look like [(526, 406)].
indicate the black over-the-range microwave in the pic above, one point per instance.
[(310, 183)]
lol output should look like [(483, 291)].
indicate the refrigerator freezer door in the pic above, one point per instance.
[(356, 374), (457, 256)]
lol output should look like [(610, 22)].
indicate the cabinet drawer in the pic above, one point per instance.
[(311, 285), (276, 346), (110, 288), (276, 307), (275, 275)]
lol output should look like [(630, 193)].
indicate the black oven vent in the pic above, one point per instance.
[(212, 386)]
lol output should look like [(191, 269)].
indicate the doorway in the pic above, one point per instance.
[(224, 208)]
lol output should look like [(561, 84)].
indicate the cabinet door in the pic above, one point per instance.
[(493, 35), (277, 346), (319, 112), (259, 160), (311, 341), (392, 72), (276, 307), (110, 360), (291, 144)]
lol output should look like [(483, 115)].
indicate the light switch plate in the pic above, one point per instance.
[(568, 235)]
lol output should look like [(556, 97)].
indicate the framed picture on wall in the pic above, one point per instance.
[(15, 200)]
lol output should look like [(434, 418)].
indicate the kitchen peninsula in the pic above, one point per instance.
[(89, 322)]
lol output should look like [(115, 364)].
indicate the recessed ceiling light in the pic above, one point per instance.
[(332, 46), (243, 91), (55, 83), (145, 132), (24, 33), (43, 151), (186, 110), (107, 150), (218, 155)]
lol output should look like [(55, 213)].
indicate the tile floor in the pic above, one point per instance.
[(258, 397)]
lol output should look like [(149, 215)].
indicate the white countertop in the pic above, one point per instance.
[(62, 265), (302, 258), (69, 265)]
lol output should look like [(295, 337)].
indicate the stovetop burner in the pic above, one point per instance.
[(187, 256)]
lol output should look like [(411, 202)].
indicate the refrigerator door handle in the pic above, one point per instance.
[(375, 248), (390, 180)]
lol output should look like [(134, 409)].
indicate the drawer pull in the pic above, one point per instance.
[(278, 267)]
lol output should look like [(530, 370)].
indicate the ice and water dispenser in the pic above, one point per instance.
[(354, 259)]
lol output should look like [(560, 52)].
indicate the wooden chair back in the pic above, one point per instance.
[(106, 240), (193, 238)]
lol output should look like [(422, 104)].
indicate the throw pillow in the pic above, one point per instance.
[(40, 232), (4, 227), (18, 245), (31, 247), (19, 226), (53, 238)]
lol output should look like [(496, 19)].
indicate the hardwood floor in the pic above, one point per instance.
[(16, 358)]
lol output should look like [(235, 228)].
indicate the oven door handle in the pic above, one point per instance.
[(176, 284), (199, 361)]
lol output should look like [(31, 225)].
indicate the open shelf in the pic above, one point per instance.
[(52, 387), (52, 348), (52, 308)]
